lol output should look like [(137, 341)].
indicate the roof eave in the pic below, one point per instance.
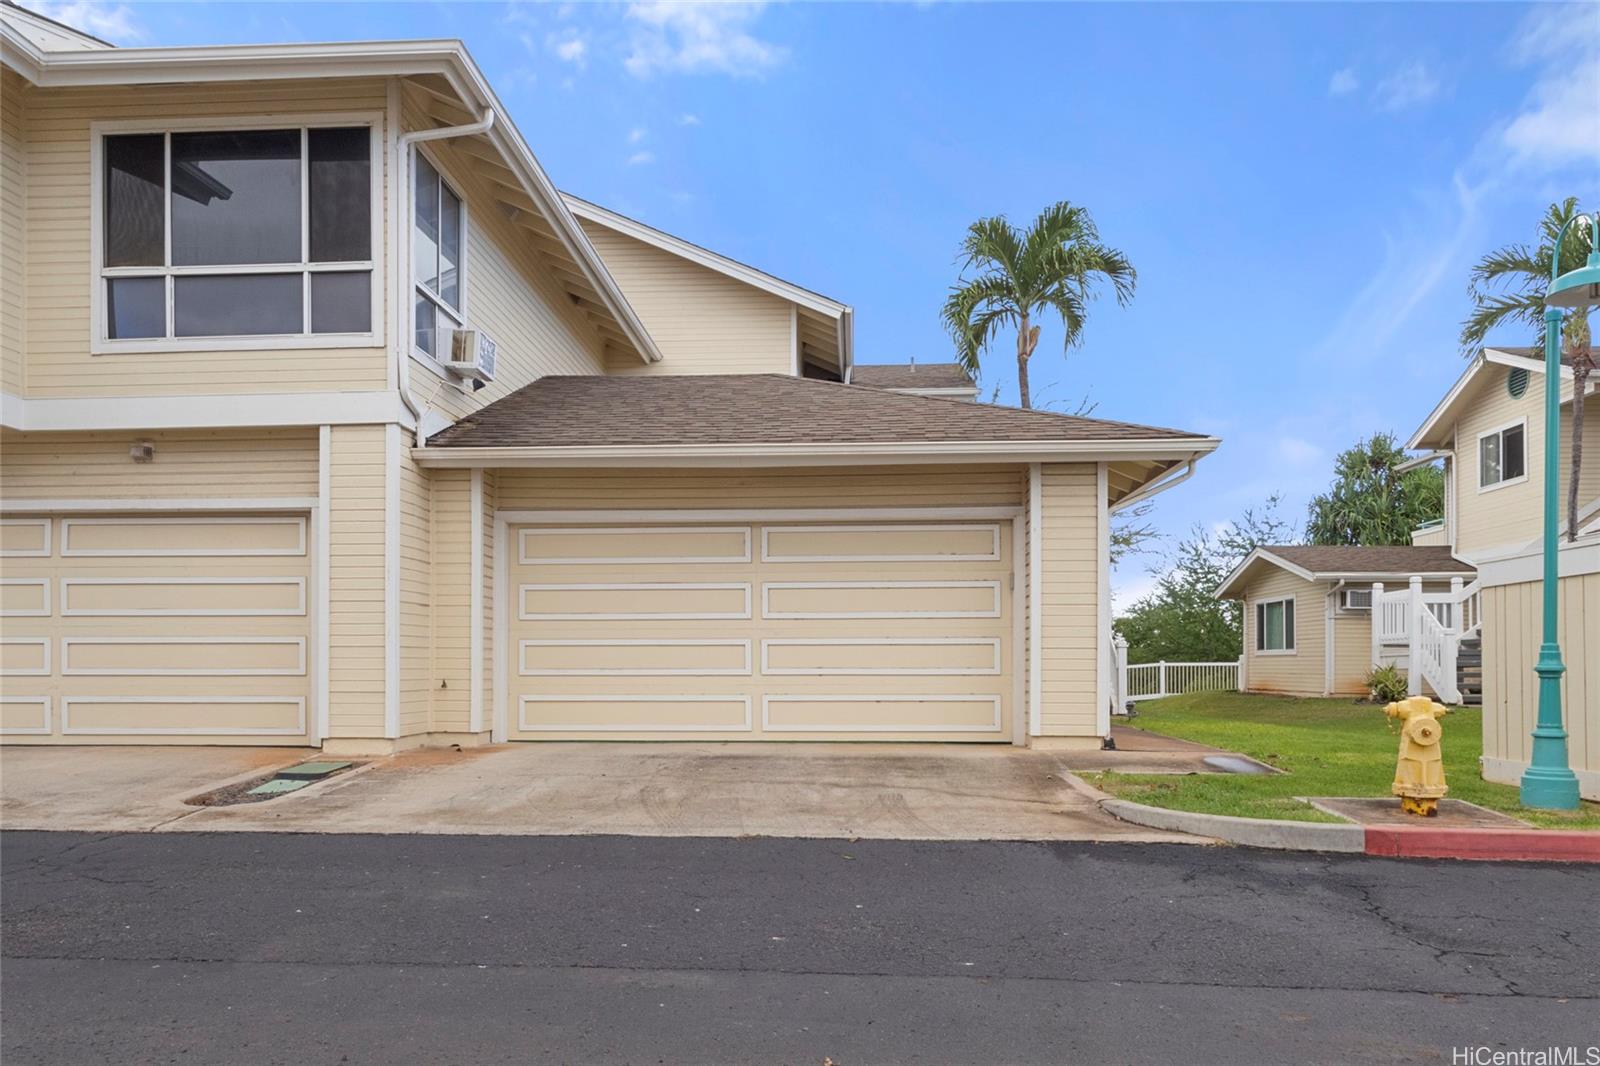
[(817, 454)]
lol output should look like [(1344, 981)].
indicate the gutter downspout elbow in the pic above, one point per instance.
[(402, 286)]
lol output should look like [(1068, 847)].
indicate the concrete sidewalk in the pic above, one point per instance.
[(885, 791)]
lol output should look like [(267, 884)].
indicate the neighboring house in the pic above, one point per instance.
[(1308, 619), (917, 379), (1488, 432), (328, 420)]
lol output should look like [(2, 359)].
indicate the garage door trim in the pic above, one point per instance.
[(502, 649)]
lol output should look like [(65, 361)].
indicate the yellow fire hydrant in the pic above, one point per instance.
[(1419, 775)]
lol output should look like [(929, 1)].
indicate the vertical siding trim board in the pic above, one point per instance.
[(1102, 673), (1019, 661), (475, 704), (391, 580), (502, 625), (321, 565), (794, 339), (1035, 598)]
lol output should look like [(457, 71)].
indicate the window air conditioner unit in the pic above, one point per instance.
[(472, 354), (1355, 599)]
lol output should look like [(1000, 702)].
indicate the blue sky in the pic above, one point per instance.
[(1303, 188)]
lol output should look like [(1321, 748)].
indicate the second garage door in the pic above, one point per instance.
[(753, 631)]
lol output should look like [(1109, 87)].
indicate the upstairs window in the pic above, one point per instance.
[(1275, 626), (1502, 456), (237, 234), (439, 222)]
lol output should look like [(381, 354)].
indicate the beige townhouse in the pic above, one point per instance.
[(328, 420), (1488, 432)]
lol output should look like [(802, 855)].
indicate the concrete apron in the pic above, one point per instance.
[(887, 791)]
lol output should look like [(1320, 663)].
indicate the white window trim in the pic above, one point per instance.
[(459, 314), (1478, 455), (1255, 634), (100, 343)]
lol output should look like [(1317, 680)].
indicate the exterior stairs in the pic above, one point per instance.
[(1469, 671)]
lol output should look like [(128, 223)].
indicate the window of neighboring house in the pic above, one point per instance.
[(437, 232), (1275, 625), (1502, 456), (237, 234)]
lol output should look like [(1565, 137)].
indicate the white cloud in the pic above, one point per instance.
[(690, 38), (113, 22), (1343, 82), (1560, 119), (1410, 86), (688, 119), (636, 134), (639, 159), (571, 48)]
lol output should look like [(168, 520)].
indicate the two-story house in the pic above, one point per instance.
[(328, 421), (1489, 433)]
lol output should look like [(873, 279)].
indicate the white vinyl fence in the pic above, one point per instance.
[(1150, 681)]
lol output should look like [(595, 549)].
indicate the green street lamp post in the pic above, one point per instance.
[(1549, 782)]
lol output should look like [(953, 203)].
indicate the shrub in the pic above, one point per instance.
[(1386, 684)]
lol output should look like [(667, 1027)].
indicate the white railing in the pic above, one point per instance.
[(1431, 627), (1151, 681)]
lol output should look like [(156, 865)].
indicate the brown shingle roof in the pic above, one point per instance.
[(911, 376), (556, 412), (1395, 559)]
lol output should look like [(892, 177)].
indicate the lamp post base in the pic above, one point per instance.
[(1549, 783), (1549, 789)]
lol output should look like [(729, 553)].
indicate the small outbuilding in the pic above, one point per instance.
[(1308, 625)]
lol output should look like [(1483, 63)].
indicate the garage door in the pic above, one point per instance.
[(750, 631), (155, 629)]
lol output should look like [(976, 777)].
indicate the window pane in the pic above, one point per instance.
[(1489, 460), (134, 226), (341, 303), (136, 307), (449, 247), (340, 193), (425, 324), (1512, 453), (236, 197), (1288, 625), (426, 252), (1273, 628), (235, 305)]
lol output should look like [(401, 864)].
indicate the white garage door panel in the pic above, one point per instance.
[(661, 713), (156, 629), (634, 658), (832, 631)]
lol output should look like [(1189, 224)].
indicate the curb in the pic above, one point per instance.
[(1501, 845), (1395, 842)]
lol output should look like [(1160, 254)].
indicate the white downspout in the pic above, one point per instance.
[(402, 291)]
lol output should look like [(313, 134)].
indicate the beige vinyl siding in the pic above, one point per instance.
[(452, 599), (416, 594), (1069, 599), (1352, 652), (866, 486), (59, 267), (253, 463), (1511, 516), (511, 294), (13, 224), (1433, 536), (356, 581), (1512, 624), (1298, 673), (704, 322)]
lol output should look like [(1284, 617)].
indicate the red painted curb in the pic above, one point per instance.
[(1536, 845)]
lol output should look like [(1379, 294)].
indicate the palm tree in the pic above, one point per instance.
[(1508, 285), (1051, 267)]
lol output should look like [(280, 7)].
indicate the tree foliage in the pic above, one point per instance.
[(1369, 502), (1011, 275), (1508, 286), (1181, 620)]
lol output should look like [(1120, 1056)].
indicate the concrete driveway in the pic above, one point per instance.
[(915, 792)]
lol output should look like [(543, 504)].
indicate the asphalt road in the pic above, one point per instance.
[(251, 948)]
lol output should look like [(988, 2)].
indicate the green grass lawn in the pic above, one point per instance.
[(1329, 748)]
